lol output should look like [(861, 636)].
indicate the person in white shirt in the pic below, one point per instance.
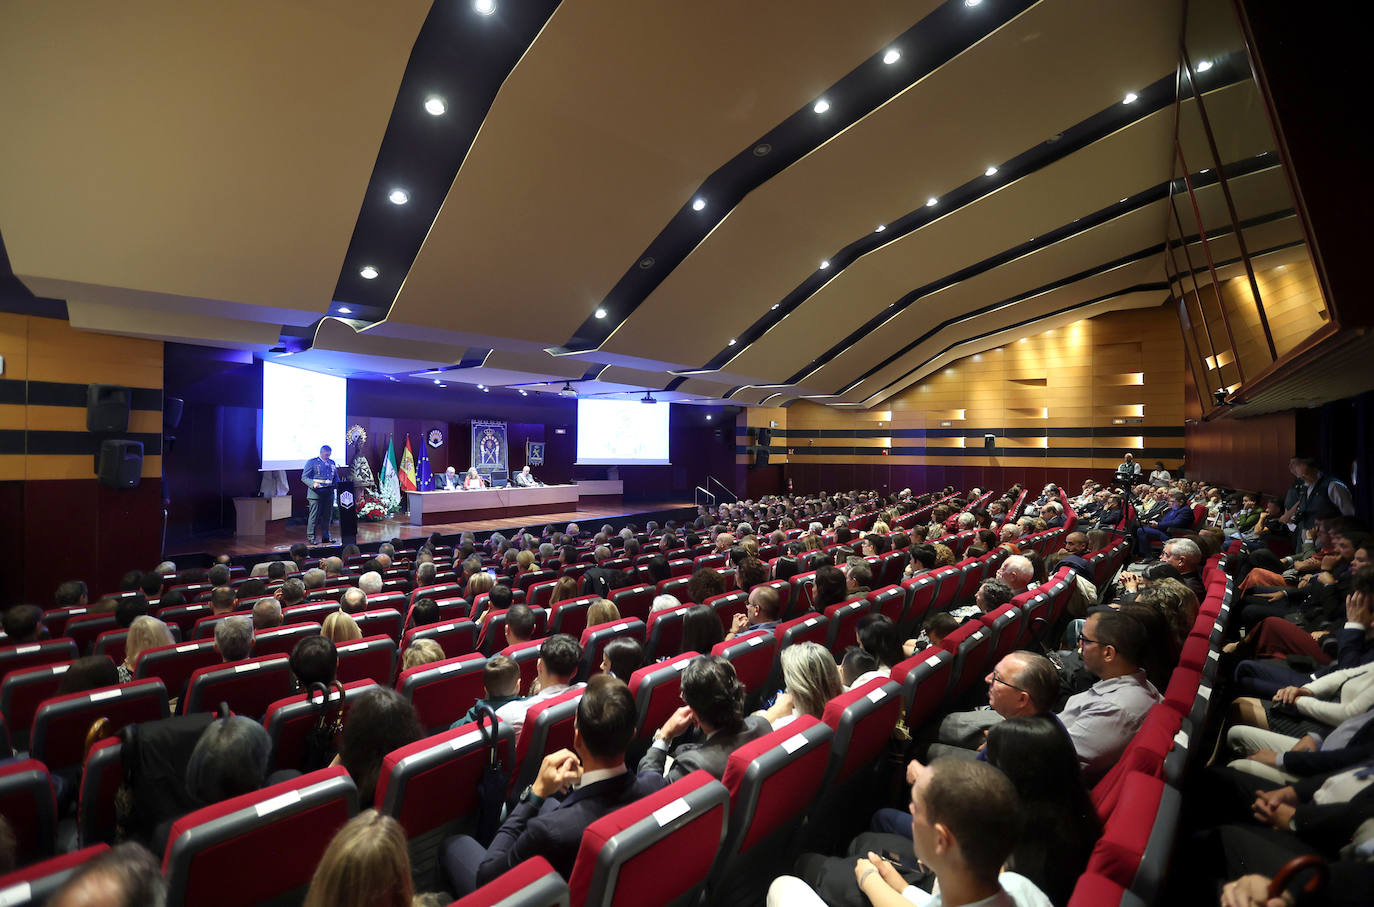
[(559, 657), (1159, 476), (963, 827)]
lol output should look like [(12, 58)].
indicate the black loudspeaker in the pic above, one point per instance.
[(107, 408), (171, 411), (765, 436), (760, 456), (989, 441), (120, 464)]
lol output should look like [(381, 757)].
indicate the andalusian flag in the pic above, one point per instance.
[(408, 468), (424, 479), (390, 487)]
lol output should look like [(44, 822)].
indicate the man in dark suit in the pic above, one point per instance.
[(715, 704), (319, 475), (592, 775)]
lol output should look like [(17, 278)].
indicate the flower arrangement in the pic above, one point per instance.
[(369, 508)]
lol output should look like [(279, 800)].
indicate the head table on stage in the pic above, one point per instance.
[(428, 507)]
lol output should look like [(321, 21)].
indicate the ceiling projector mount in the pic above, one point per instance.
[(567, 390), (647, 398)]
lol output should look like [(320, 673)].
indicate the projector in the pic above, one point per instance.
[(647, 398), (567, 390)]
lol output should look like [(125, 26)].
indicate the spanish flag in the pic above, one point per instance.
[(407, 469)]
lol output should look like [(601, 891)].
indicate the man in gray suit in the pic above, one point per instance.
[(319, 475), (715, 704)]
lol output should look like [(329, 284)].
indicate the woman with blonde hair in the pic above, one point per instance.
[(421, 652), (340, 628), (810, 679), (144, 633), (479, 582), (602, 611), (366, 865)]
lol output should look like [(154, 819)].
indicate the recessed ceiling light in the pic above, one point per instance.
[(1131, 98), (1204, 65), (522, 392), (484, 7), (485, 391), (481, 387), (880, 228), (600, 313), (1282, 267), (972, 2), (369, 272), (991, 171), (698, 204), (892, 56), (443, 385), (732, 341), (708, 417), (932, 202), (391, 377), (825, 264), (345, 310), (1205, 170), (436, 380), (821, 106), (398, 196), (1122, 201), (775, 305), (435, 106)]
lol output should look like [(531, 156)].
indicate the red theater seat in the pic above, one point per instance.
[(290, 720), (380, 621), (248, 686), (22, 692), (28, 804), (455, 637), (844, 623), (370, 658), (753, 655), (37, 884), (218, 856), (281, 640), (547, 728), (658, 850), (634, 601), (442, 692), (58, 735), (924, 679), (533, 883), (595, 638), (36, 654), (657, 689)]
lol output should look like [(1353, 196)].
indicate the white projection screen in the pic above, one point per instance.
[(622, 433), (301, 412)]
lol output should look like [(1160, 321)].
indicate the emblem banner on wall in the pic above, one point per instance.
[(489, 447)]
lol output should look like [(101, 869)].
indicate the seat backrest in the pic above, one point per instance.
[(948, 580), (22, 691), (58, 733), (810, 627), (752, 654), (84, 629), (56, 619), (27, 802), (570, 615), (595, 638), (248, 686), (525, 580), (675, 586), (281, 640), (657, 850), (309, 612), (101, 776), (844, 623), (784, 590), (657, 690), (533, 883), (862, 720), (184, 616), (709, 560), (969, 643), (492, 636), (175, 664), (431, 788), (727, 605), (678, 568), (443, 691), (924, 679), (634, 601), (971, 573), (665, 632), (436, 591), (376, 621), (111, 644), (289, 721), (370, 658), (764, 777), (296, 818), (38, 882), (35, 654), (455, 637), (890, 601), (547, 728), (1004, 626), (921, 591)]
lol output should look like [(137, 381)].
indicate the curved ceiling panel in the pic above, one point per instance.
[(193, 153), (601, 134), (937, 135)]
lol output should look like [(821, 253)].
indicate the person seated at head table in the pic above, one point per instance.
[(473, 480)]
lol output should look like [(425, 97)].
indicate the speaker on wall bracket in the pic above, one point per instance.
[(107, 408), (119, 463)]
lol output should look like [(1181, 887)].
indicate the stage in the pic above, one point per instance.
[(282, 534)]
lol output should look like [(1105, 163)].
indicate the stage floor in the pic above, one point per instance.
[(282, 534)]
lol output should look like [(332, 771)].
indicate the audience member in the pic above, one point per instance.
[(23, 624), (266, 614), (810, 680), (378, 721), (421, 652), (314, 659), (367, 864), (622, 657), (701, 629), (559, 658), (144, 633), (89, 673), (1020, 685), (126, 875), (714, 700), (234, 638), (340, 627), (425, 612)]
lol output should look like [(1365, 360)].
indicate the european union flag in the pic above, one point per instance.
[(424, 479)]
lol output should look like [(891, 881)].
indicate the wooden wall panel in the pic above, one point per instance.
[(1244, 453)]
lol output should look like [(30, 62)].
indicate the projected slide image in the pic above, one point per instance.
[(615, 432), (301, 410)]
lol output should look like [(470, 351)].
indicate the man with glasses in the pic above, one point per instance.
[(1103, 718), (761, 612), (1020, 685), (1185, 556)]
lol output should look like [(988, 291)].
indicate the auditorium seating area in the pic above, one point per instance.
[(727, 838)]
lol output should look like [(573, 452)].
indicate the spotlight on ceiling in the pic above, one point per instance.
[(481, 387), (484, 7), (698, 204), (1204, 65), (436, 380), (369, 273), (398, 196), (732, 342), (1131, 98), (523, 393), (600, 313), (708, 417), (345, 310), (932, 202), (435, 106), (991, 171), (821, 106), (880, 228), (391, 377), (647, 398), (825, 264), (892, 56), (972, 3), (567, 390)]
